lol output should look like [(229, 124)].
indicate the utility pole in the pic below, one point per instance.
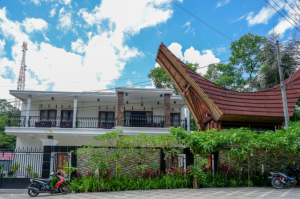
[(285, 107)]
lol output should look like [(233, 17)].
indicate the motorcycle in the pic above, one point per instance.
[(281, 179), (39, 185)]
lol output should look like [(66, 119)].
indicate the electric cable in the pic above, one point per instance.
[(281, 15), (201, 20)]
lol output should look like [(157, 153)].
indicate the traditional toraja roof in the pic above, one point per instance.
[(225, 104)]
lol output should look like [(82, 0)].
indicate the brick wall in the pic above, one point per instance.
[(270, 162), (128, 165)]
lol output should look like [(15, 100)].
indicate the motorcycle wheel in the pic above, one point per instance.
[(276, 183), (32, 193), (64, 189)]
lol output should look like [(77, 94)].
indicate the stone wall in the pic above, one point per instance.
[(128, 165), (268, 160)]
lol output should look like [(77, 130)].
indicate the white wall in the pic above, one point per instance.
[(34, 141), (91, 109)]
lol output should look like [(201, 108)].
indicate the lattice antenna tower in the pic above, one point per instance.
[(21, 79)]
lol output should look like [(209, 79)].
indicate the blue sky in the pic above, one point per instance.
[(89, 45)]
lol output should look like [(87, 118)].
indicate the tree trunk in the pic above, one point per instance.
[(195, 183), (248, 171)]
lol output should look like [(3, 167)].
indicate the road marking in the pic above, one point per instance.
[(235, 192), (251, 192), (287, 192), (266, 194)]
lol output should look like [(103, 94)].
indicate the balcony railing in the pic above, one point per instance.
[(16, 121), (95, 122), (92, 122), (48, 122)]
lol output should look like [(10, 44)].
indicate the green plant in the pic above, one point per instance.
[(53, 182), (1, 167), (28, 169), (142, 168), (14, 167), (50, 133), (35, 175)]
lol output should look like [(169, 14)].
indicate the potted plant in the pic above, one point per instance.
[(1, 170), (50, 134), (162, 124), (77, 124), (28, 170), (14, 169)]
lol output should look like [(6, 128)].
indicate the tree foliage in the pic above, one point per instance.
[(159, 75), (7, 110)]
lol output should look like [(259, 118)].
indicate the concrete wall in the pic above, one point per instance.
[(91, 109), (34, 141)]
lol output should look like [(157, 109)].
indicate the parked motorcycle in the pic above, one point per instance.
[(39, 185), (281, 179)]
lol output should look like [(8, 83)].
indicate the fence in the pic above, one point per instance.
[(21, 163)]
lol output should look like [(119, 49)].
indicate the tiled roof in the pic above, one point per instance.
[(262, 103)]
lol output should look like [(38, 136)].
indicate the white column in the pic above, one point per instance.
[(75, 112), (188, 125), (28, 110)]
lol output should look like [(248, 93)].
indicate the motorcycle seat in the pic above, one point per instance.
[(43, 180)]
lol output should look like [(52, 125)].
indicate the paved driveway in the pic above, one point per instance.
[(210, 193)]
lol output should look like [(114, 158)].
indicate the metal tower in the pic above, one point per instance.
[(21, 79)]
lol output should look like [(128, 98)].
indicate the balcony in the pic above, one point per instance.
[(92, 122)]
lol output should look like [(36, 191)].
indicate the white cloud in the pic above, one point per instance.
[(105, 53), (176, 48), (191, 55), (64, 19), (194, 56), (33, 24), (53, 11), (133, 72), (147, 13), (66, 2), (238, 19), (220, 50), (78, 46), (188, 25), (264, 15), (2, 44), (222, 3)]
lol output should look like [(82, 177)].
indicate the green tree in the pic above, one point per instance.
[(7, 110), (245, 57), (159, 75)]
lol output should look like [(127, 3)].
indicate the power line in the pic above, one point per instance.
[(292, 7), (286, 14), (201, 20), (281, 15)]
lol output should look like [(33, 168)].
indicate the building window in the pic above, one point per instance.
[(175, 119), (106, 116), (67, 114), (48, 113)]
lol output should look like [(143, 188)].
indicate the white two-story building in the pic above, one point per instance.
[(75, 117)]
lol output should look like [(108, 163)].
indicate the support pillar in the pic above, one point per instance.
[(167, 110), (75, 112), (188, 125), (28, 110), (120, 117)]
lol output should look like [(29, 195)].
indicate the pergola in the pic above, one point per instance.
[(213, 106)]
